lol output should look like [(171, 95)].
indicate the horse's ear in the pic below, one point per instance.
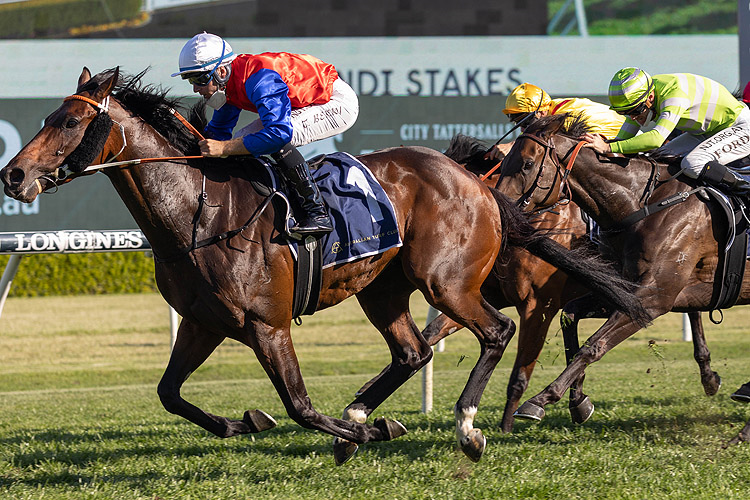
[(85, 77), (554, 126), (108, 85)]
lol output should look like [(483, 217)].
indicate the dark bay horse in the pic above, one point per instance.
[(452, 226), (538, 290), (673, 253)]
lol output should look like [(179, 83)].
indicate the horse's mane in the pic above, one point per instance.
[(152, 104), (571, 124), (468, 151)]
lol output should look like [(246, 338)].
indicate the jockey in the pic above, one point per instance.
[(299, 99), (715, 125), (528, 102)]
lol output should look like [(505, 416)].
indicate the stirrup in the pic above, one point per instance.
[(312, 226)]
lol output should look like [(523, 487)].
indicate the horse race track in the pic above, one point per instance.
[(81, 418)]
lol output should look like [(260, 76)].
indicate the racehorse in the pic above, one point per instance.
[(538, 290), (240, 284), (672, 253)]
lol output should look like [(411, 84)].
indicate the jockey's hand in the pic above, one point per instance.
[(597, 143), (210, 147), (498, 151)]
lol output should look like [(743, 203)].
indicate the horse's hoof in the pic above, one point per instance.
[(742, 394), (713, 386), (530, 411), (258, 420), (343, 450), (582, 412), (391, 429), (473, 445)]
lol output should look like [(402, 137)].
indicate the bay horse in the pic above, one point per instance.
[(538, 290), (241, 286), (672, 253)]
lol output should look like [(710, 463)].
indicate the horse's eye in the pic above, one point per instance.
[(71, 123), (528, 164)]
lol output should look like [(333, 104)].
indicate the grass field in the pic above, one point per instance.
[(81, 418)]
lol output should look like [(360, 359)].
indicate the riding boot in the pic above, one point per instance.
[(293, 168), (716, 174)]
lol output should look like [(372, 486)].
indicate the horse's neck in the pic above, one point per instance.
[(161, 197), (609, 191)]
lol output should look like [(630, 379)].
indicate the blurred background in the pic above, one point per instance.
[(424, 69)]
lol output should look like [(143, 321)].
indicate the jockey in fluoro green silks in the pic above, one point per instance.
[(715, 126)]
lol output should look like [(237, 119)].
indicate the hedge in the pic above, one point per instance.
[(82, 274), (39, 18)]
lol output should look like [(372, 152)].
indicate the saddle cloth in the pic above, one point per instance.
[(363, 217)]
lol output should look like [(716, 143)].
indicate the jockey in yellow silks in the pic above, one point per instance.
[(528, 102)]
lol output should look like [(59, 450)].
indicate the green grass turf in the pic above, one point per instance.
[(81, 418)]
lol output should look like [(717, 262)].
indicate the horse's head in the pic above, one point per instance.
[(531, 172), (72, 137)]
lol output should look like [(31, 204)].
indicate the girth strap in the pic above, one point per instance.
[(308, 278)]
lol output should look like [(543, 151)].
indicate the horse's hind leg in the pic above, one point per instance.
[(192, 347), (710, 379), (493, 331)]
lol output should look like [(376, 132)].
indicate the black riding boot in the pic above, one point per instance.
[(716, 174), (314, 218)]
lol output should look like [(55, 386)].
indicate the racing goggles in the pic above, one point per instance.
[(522, 119), (635, 111), (199, 79)]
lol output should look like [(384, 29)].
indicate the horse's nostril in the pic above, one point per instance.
[(16, 176)]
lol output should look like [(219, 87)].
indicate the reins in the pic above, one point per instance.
[(64, 173), (103, 107)]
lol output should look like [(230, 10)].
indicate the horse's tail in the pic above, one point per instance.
[(580, 263)]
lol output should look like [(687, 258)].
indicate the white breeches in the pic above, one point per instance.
[(319, 121), (725, 146)]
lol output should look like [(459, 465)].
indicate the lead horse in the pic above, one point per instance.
[(241, 286), (672, 253)]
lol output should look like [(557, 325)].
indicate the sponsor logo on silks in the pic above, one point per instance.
[(73, 241)]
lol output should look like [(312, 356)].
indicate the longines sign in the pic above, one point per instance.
[(83, 241)]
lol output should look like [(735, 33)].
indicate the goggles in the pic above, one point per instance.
[(636, 111), (522, 120), (199, 79)]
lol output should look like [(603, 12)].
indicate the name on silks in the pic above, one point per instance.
[(70, 241)]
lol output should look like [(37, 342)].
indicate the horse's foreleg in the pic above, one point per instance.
[(710, 379), (273, 348), (192, 347), (585, 307), (616, 329), (535, 320), (439, 328)]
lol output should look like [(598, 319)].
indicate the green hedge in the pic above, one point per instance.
[(82, 274), (38, 18)]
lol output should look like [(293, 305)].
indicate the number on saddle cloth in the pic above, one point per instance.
[(363, 217)]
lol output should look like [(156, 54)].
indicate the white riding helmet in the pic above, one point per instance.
[(204, 52)]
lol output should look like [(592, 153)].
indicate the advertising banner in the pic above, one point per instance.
[(413, 91)]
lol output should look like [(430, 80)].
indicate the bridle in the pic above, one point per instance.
[(65, 174), (561, 173)]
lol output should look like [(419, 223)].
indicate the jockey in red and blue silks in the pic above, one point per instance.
[(299, 99)]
